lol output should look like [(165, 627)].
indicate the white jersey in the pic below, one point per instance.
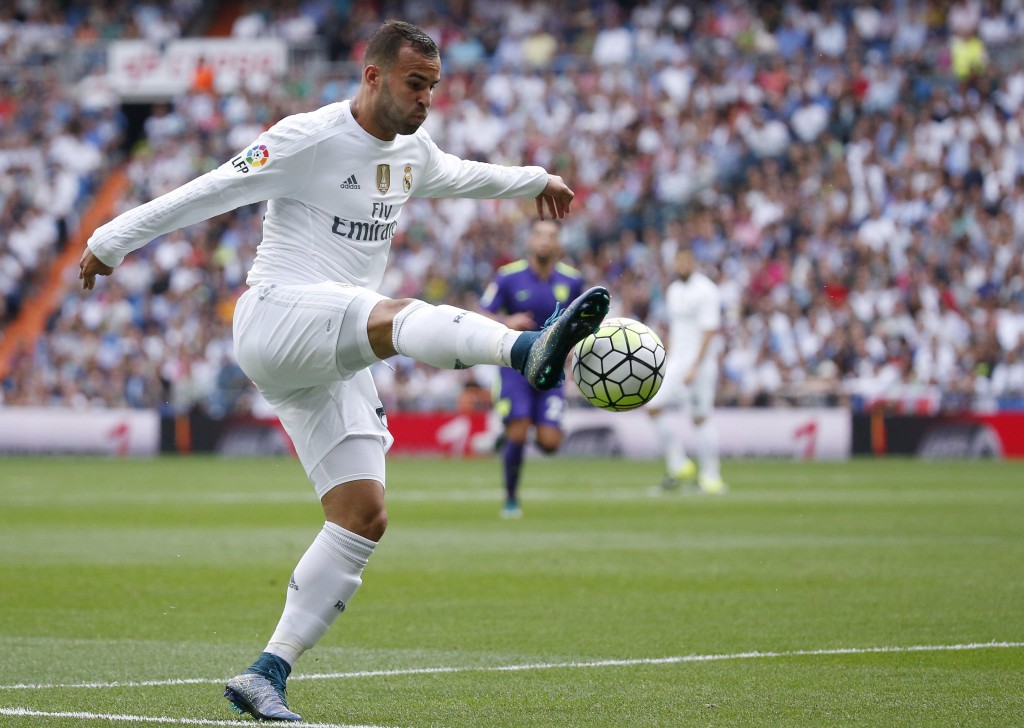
[(693, 307), (335, 193)]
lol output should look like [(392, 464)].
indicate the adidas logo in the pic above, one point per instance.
[(350, 183)]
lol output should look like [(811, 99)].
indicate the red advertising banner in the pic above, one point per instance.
[(453, 434), (1008, 427), (951, 436)]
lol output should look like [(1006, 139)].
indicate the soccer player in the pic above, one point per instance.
[(523, 295), (694, 313), (311, 321)]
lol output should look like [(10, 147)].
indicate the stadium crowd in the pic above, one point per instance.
[(848, 171), (54, 144)]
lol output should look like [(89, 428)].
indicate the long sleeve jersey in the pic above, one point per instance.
[(694, 308), (334, 194)]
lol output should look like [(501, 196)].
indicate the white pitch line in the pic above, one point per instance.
[(19, 712), (547, 665)]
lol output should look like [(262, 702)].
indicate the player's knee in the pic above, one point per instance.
[(382, 315), (549, 439), (357, 506), (393, 305), (549, 447), (370, 524), (375, 525), (516, 431), (380, 326)]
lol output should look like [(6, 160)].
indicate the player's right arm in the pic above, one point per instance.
[(240, 181)]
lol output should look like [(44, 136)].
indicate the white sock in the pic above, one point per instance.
[(451, 338), (707, 450), (671, 443), (321, 586)]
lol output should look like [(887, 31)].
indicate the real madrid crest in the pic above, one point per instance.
[(407, 179), (383, 178)]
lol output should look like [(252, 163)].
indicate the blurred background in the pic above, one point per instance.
[(847, 171)]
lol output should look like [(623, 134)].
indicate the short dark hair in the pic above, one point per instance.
[(384, 45)]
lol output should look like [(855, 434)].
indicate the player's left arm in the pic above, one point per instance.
[(710, 322), (556, 197), (705, 345), (450, 176)]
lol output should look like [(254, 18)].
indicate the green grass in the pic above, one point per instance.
[(171, 570)]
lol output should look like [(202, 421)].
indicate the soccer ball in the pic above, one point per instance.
[(620, 366)]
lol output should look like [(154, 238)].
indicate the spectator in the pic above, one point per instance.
[(873, 156)]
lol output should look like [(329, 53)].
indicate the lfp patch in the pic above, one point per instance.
[(258, 156)]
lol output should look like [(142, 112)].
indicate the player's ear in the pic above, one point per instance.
[(373, 76)]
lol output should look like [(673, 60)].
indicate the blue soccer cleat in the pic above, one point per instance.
[(511, 509), (544, 367), (260, 690)]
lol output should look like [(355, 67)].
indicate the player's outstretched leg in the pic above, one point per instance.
[(544, 363), (260, 690)]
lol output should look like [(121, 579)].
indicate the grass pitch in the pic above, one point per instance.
[(862, 593)]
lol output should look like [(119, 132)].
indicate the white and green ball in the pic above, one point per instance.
[(620, 366)]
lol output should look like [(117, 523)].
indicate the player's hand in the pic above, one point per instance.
[(556, 197), (690, 377), (521, 321), (89, 267)]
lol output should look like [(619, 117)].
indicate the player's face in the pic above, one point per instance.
[(543, 244), (402, 103), (686, 264)]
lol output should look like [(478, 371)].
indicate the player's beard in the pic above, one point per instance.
[(396, 118)]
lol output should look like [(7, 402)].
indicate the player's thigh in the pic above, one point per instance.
[(514, 399), (319, 418), (673, 393), (702, 393), (301, 336), (549, 408)]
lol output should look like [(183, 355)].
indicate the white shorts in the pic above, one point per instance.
[(698, 399), (354, 458), (306, 349)]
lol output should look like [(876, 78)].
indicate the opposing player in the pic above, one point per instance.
[(694, 313), (311, 321), (523, 295)]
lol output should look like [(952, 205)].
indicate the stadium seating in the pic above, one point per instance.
[(850, 179)]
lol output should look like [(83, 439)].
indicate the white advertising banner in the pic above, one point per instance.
[(139, 69), (798, 433), (37, 430)]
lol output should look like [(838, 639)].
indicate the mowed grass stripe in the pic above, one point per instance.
[(676, 660), (639, 492)]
